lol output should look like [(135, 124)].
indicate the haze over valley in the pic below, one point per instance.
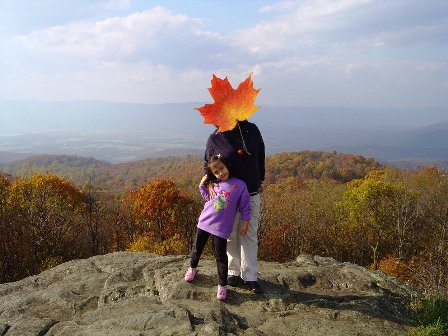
[(120, 132)]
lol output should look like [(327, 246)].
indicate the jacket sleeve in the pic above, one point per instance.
[(244, 204), (262, 159), (261, 155)]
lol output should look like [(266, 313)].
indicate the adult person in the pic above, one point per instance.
[(244, 149)]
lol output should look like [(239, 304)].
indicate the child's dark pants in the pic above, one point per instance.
[(219, 246)]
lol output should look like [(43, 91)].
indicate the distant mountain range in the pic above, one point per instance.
[(119, 132)]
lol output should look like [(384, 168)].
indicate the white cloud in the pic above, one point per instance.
[(409, 36), (326, 26), (114, 37), (301, 26)]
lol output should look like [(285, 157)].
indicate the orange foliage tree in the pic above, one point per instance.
[(164, 216), (42, 225)]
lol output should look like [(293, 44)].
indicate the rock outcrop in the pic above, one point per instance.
[(130, 294)]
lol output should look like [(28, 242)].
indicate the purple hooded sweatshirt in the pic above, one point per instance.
[(218, 214)]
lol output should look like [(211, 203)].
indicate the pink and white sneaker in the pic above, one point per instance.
[(191, 273), (222, 292)]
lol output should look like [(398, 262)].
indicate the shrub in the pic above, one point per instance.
[(432, 315), (399, 268), (174, 245), (435, 329)]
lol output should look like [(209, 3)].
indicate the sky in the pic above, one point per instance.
[(334, 53)]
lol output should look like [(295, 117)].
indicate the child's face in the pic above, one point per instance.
[(220, 170)]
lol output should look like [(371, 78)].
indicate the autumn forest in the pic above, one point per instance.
[(57, 208)]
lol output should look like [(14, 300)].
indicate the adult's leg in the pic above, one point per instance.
[(249, 243), (219, 246), (198, 247), (234, 248)]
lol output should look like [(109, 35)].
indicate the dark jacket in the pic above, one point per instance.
[(249, 165)]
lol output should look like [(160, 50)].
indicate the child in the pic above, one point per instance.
[(228, 196)]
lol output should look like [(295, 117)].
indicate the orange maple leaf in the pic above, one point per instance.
[(230, 105)]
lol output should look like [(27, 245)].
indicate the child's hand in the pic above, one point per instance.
[(244, 228), (204, 178)]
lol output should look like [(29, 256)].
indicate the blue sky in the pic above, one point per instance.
[(357, 53)]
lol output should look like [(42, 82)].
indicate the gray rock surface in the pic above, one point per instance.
[(127, 294)]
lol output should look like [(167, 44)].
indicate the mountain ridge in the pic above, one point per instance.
[(186, 170)]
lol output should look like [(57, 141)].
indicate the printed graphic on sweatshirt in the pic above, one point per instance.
[(221, 200)]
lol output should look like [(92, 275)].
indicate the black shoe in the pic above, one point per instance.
[(234, 280), (254, 287)]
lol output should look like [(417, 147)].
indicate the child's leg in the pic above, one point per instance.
[(219, 246), (198, 247)]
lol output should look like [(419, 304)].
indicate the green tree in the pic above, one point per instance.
[(368, 206)]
